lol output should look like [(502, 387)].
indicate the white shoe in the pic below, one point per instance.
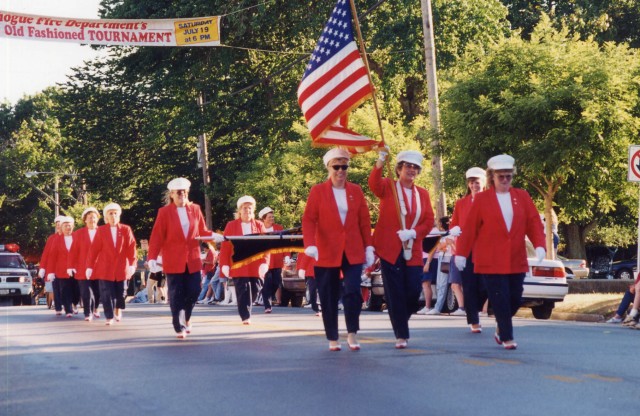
[(433, 311), (203, 301), (614, 320), (458, 312), (423, 311), (182, 319)]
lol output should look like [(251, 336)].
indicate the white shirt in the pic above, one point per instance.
[(114, 234), (409, 193), (92, 234), (67, 241), (246, 228), (269, 230), (184, 220), (504, 199), (341, 199)]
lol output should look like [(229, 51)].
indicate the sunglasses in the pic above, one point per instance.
[(411, 166), (340, 167), (507, 177)]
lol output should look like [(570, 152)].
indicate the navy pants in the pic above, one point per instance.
[(402, 288), (329, 283), (112, 295), (57, 295), (184, 289), (247, 289), (505, 295), (90, 294), (313, 293), (473, 291), (66, 294), (272, 281)]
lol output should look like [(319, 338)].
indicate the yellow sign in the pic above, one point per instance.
[(192, 32)]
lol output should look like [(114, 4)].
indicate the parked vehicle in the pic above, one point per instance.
[(15, 278), (624, 269), (575, 268)]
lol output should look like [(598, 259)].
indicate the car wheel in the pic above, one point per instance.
[(451, 304), (624, 274), (543, 311)]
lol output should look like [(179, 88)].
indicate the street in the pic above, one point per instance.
[(280, 365)]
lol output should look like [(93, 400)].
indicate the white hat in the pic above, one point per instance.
[(476, 172), (88, 210), (501, 162), (178, 183), (335, 153), (65, 219), (245, 199), (410, 156), (58, 218), (264, 211), (110, 207)]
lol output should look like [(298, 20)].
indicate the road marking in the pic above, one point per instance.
[(478, 363), (604, 378), (503, 361), (565, 379)]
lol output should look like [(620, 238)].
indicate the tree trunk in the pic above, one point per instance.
[(574, 241)]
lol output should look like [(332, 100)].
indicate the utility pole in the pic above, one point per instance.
[(204, 161), (434, 112)]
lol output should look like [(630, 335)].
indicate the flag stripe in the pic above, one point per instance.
[(332, 111)]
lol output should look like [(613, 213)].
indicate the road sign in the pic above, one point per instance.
[(634, 163)]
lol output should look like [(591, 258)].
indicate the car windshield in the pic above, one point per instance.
[(12, 261)]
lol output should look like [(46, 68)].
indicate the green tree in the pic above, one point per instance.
[(564, 108)]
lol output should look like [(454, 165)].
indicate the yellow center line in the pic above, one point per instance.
[(565, 379), (604, 378)]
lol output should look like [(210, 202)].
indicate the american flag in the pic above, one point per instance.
[(334, 83)]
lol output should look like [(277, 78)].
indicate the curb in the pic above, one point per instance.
[(566, 316)]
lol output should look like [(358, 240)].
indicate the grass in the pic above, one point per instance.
[(592, 303)]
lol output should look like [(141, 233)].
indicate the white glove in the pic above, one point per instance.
[(370, 257), (301, 273), (455, 231), (406, 235), (130, 271), (71, 271), (88, 273), (312, 251), (152, 265), (41, 273), (218, 238), (540, 254), (383, 153), (461, 262), (51, 277), (287, 260), (262, 270), (225, 271)]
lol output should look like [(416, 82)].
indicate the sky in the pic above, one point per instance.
[(28, 66)]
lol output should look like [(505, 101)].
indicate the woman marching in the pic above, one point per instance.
[(398, 237), (112, 261), (473, 291), (246, 278), (337, 234), (58, 264), (273, 278), (175, 235), (89, 287), (495, 230)]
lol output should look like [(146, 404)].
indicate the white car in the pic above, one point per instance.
[(544, 285), (15, 279)]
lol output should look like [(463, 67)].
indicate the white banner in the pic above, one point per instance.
[(197, 31)]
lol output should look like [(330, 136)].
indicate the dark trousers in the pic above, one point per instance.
[(75, 291), (272, 281), (627, 299), (329, 284), (473, 291), (108, 296), (66, 294), (402, 288), (184, 289), (57, 295), (246, 293), (505, 295), (90, 294), (313, 293)]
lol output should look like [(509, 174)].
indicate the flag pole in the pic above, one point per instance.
[(363, 52)]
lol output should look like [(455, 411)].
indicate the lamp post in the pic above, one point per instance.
[(56, 178)]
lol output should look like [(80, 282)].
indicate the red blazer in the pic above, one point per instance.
[(461, 211), (496, 250), (321, 225), (109, 261), (80, 253), (385, 237), (47, 250), (226, 250), (58, 260), (307, 264), (276, 260), (178, 253)]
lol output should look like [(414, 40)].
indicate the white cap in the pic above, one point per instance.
[(245, 199), (264, 211), (335, 153), (178, 183), (88, 210), (410, 156), (476, 172), (501, 162), (58, 218), (110, 207), (65, 219)]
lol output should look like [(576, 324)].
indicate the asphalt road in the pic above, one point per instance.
[(280, 365)]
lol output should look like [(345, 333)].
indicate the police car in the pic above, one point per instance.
[(15, 278)]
